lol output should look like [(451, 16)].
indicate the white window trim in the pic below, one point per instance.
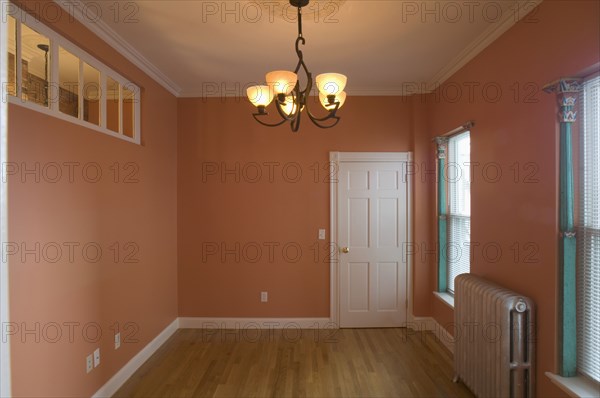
[(445, 298), (5, 365), (57, 40), (448, 295), (577, 387), (584, 379), (71, 119)]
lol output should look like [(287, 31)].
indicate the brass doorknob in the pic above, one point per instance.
[(345, 250)]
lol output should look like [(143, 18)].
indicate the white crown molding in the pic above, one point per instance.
[(408, 90), (524, 7), (102, 30), (113, 39), (357, 92)]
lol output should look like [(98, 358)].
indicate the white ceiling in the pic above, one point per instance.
[(198, 48)]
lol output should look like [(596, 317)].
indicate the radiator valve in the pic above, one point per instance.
[(521, 306)]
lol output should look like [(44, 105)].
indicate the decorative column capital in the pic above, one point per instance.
[(567, 91), (442, 143)]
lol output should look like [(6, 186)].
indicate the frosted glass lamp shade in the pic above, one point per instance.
[(341, 98), (331, 83), (289, 106), (260, 95), (282, 81)]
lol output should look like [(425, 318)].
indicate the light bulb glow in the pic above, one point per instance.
[(260, 95), (289, 106), (331, 83), (341, 98), (282, 81)]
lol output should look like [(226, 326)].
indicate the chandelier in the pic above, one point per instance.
[(290, 99)]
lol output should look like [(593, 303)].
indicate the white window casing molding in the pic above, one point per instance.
[(57, 41)]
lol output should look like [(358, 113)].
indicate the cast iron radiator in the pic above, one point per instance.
[(494, 349)]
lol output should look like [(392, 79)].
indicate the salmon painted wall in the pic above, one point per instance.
[(240, 227), (60, 301), (516, 134)]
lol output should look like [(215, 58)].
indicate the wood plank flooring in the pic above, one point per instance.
[(297, 363)]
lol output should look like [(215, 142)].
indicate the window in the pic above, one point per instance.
[(588, 270), (11, 84), (49, 74), (458, 177)]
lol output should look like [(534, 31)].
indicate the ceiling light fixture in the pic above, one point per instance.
[(290, 100)]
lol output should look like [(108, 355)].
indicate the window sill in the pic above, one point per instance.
[(59, 115), (577, 387), (446, 298)]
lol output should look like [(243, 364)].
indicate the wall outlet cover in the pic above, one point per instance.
[(89, 363), (97, 357)]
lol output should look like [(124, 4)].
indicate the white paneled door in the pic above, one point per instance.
[(372, 235)]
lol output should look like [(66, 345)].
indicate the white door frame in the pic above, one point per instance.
[(335, 158), (5, 389)]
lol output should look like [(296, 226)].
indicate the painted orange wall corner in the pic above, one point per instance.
[(223, 204), (251, 200), (514, 150), (95, 252)]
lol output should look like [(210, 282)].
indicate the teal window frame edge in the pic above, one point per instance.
[(442, 210), (567, 92)]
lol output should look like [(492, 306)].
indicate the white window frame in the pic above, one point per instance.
[(585, 230), (56, 41), (580, 385), (451, 250)]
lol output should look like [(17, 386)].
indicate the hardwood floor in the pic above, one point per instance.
[(297, 363)]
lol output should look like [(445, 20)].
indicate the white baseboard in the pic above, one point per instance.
[(442, 335), (113, 385), (256, 323), (115, 382), (426, 323), (420, 323)]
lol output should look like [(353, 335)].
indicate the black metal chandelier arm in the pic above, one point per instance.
[(323, 126), (300, 40), (330, 116), (296, 123), (296, 101), (256, 115), (284, 115)]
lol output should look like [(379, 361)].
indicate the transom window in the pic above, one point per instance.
[(49, 74)]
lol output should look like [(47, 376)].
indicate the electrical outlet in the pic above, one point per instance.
[(89, 363), (264, 297), (117, 340), (97, 357), (321, 234)]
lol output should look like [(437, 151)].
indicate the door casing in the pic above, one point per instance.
[(335, 158)]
